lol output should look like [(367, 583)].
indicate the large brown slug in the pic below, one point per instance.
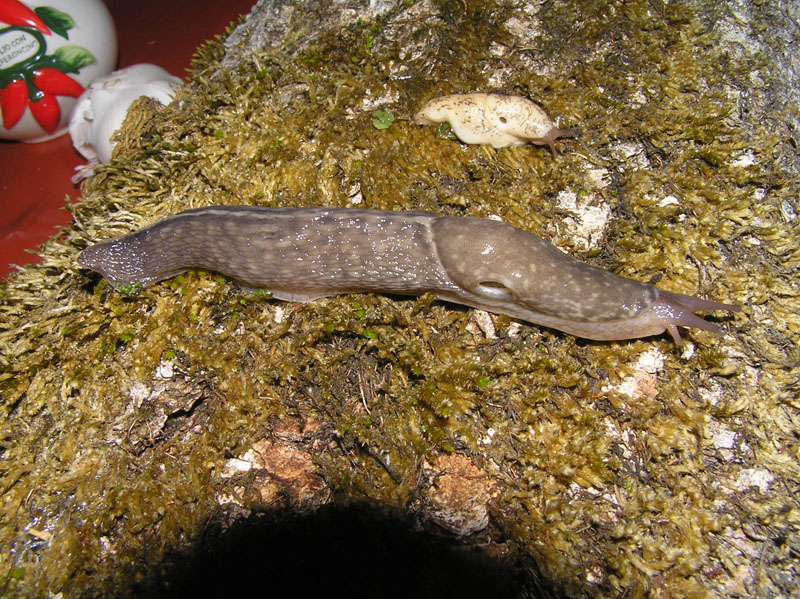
[(301, 254)]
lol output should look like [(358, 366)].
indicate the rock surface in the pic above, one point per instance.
[(199, 435)]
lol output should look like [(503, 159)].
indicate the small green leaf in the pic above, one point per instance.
[(483, 381), (382, 119), (59, 22), (71, 59), (445, 131), (129, 289)]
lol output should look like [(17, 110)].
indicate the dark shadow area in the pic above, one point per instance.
[(341, 553)]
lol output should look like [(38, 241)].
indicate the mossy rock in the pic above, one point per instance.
[(147, 437)]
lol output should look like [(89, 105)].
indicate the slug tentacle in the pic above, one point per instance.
[(554, 134), (675, 309), (301, 254)]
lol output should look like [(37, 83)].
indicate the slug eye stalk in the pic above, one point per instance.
[(677, 310)]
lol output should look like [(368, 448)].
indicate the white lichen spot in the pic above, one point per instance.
[(712, 396), (526, 28), (738, 540), (651, 361), (481, 321), (668, 201), (638, 98), (787, 211), (590, 215), (487, 438), (598, 177), (612, 429), (230, 498), (106, 546), (497, 78), (576, 490), (633, 154), (165, 369), (514, 329), (236, 466), (595, 575), (371, 102), (279, 314), (138, 393), (497, 49), (722, 437), (642, 383), (355, 195), (745, 160), (754, 477)]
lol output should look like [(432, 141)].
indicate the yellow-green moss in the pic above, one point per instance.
[(609, 496)]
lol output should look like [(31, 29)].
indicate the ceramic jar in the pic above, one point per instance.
[(50, 50)]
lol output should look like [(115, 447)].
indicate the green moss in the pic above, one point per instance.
[(131, 289), (608, 495)]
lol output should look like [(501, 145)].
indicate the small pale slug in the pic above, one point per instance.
[(493, 119), (301, 254)]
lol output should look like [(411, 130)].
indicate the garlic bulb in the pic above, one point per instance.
[(102, 108)]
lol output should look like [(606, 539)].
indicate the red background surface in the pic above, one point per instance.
[(35, 178)]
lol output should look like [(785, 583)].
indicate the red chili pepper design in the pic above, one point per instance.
[(53, 81), (34, 80), (46, 112), (13, 102), (15, 12)]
